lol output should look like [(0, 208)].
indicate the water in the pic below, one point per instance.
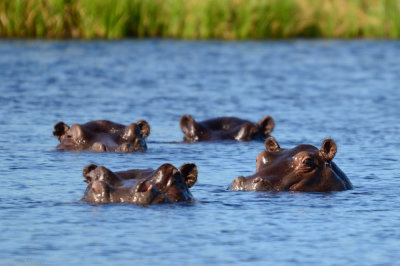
[(345, 90)]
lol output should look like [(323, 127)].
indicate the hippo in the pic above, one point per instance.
[(166, 184), (102, 135), (223, 128), (303, 168)]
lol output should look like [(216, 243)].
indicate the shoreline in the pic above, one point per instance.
[(200, 20)]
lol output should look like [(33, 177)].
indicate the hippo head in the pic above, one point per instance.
[(303, 168), (102, 136), (98, 192), (165, 185), (192, 130), (256, 131), (171, 185), (70, 137), (225, 128)]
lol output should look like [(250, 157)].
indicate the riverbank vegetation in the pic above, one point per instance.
[(200, 19)]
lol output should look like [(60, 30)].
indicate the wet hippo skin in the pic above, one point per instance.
[(222, 128), (303, 168), (102, 135), (166, 184)]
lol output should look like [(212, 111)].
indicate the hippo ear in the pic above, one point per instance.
[(328, 149), (86, 170), (144, 128), (187, 123), (189, 173), (60, 129), (272, 145), (266, 124)]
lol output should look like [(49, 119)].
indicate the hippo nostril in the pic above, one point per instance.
[(97, 187), (239, 180), (145, 188), (257, 179)]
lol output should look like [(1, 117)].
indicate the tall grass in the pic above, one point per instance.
[(200, 19)]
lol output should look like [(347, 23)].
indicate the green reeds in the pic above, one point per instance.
[(200, 19)]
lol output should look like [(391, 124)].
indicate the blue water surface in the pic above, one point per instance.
[(345, 90)]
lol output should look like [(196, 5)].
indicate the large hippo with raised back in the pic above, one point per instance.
[(303, 168), (102, 135), (166, 184), (222, 128)]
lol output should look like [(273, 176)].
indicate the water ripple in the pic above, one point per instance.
[(346, 90)]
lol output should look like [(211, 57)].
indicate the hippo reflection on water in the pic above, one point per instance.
[(102, 135), (166, 184), (303, 168), (225, 128)]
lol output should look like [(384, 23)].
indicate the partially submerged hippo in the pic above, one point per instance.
[(225, 128), (167, 184), (303, 168), (102, 135)]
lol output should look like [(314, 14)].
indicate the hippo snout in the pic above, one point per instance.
[(237, 184), (239, 180)]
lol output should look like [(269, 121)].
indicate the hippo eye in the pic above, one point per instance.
[(308, 161), (69, 136)]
